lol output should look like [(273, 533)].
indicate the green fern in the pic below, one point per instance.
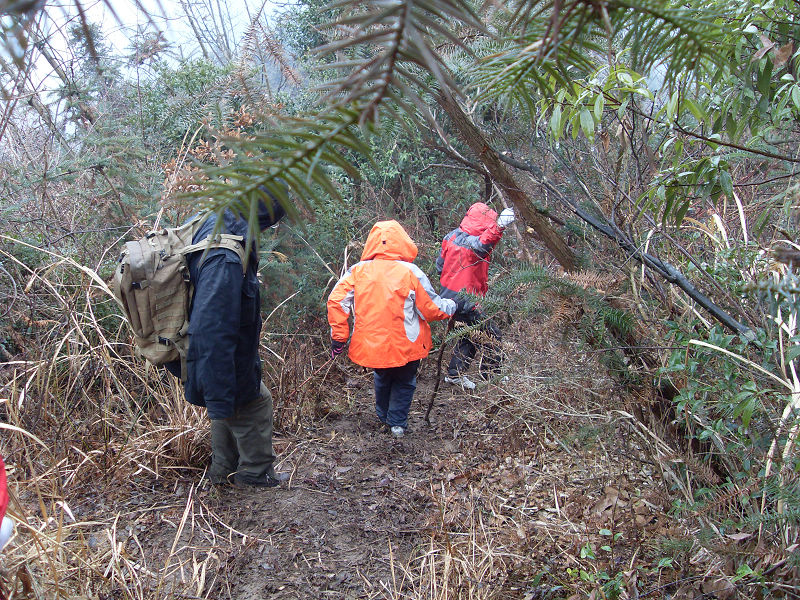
[(550, 43), (772, 519), (295, 155), (618, 320)]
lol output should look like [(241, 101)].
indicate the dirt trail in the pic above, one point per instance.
[(497, 498), (358, 499)]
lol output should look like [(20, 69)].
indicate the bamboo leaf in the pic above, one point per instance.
[(726, 183), (695, 109), (555, 122), (599, 103), (587, 123), (796, 97)]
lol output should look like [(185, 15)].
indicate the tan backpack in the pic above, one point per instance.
[(151, 284)]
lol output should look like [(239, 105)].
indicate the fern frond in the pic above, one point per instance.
[(382, 45), (726, 497), (565, 311), (562, 40), (599, 282), (620, 321), (275, 51), (772, 519), (523, 277), (294, 156)]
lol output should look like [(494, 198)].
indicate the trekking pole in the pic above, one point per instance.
[(328, 363), (450, 322)]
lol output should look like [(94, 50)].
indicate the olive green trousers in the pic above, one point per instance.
[(242, 443)]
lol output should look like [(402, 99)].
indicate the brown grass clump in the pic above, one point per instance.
[(82, 423), (104, 454)]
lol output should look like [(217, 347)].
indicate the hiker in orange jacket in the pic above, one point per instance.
[(391, 301)]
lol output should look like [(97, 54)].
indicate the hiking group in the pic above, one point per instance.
[(213, 347), (192, 298)]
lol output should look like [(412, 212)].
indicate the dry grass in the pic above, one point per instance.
[(574, 499), (104, 455), (84, 424)]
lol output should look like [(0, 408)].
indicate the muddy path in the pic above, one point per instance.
[(357, 505), (499, 498)]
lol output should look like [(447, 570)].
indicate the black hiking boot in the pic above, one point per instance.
[(265, 481)]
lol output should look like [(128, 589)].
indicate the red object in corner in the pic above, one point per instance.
[(3, 489)]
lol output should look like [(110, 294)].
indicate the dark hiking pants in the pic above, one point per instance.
[(242, 444), (487, 337), (394, 390)]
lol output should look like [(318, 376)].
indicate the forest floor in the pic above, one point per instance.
[(530, 489), (540, 487)]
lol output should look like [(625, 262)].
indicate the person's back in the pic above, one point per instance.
[(391, 300), (386, 333), (463, 263), (223, 369), (223, 363), (463, 266)]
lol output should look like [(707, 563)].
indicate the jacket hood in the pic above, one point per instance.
[(270, 210), (389, 241), (478, 219)]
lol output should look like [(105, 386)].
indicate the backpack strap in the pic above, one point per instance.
[(184, 369), (227, 241), (221, 240)]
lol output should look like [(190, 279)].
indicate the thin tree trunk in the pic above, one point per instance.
[(504, 178), (666, 270), (85, 110), (35, 103)]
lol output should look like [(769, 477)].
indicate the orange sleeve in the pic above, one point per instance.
[(340, 306)]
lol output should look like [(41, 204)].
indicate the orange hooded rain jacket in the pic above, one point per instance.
[(391, 301)]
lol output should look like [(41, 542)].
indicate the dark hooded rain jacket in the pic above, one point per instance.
[(223, 365)]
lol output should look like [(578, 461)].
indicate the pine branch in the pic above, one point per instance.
[(295, 155), (540, 53)]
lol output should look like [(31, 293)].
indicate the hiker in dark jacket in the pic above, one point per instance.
[(463, 266), (223, 365)]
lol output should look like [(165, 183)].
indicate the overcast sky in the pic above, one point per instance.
[(120, 25), (120, 19)]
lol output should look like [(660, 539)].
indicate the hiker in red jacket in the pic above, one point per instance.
[(6, 525), (463, 266)]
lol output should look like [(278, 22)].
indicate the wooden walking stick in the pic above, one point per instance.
[(451, 321)]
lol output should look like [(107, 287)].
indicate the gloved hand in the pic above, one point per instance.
[(506, 218), (336, 348)]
